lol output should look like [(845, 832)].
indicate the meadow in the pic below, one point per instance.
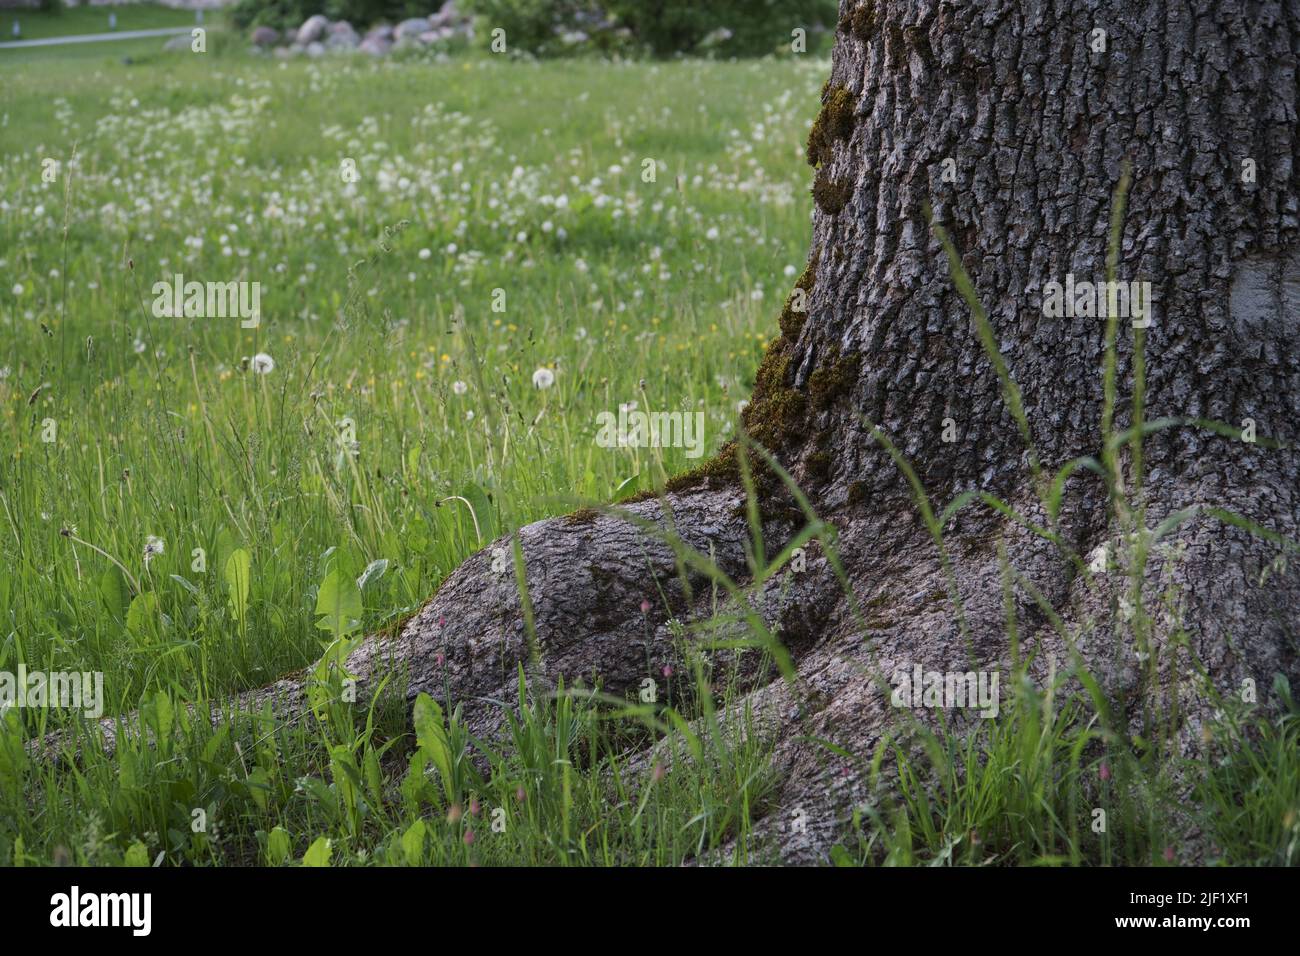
[(73, 21), (501, 220), (461, 265)]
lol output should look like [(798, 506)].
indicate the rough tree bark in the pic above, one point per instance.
[(1037, 121)]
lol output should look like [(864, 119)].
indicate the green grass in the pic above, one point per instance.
[(74, 21), (377, 299), (84, 56), (396, 388), (369, 318)]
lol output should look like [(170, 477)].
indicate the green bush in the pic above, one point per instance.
[(664, 27), (729, 27), (544, 27), (552, 27)]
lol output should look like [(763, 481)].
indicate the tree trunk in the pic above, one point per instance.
[(1018, 103)]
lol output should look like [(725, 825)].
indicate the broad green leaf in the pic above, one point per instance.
[(143, 610), (840, 856), (318, 854), (159, 713), (485, 515), (112, 590), (258, 783), (136, 855), (277, 846), (338, 604), (226, 546), (373, 572), (186, 583), (431, 732), (413, 843), (239, 578)]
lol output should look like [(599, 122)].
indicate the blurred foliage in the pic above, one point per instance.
[(728, 27), (558, 27), (290, 14)]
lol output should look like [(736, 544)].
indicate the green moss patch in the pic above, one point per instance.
[(819, 464), (862, 21), (830, 194), (583, 516), (833, 378), (833, 124), (791, 319), (858, 493)]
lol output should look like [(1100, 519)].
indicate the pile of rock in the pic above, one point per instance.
[(318, 35)]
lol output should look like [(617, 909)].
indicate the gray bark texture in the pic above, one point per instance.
[(1037, 123)]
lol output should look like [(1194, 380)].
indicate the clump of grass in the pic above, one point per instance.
[(1250, 787)]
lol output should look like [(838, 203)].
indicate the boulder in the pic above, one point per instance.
[(376, 46), (313, 29), (265, 36), (446, 15), (342, 37), (412, 28), (316, 49), (383, 32), (715, 38)]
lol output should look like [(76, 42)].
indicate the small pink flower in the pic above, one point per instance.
[(1169, 854), (658, 773), (453, 813), (645, 607), (442, 621), (1104, 772), (469, 837), (439, 659), (668, 670), (520, 795), (474, 806)]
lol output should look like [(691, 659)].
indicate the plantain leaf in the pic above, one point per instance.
[(338, 604)]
